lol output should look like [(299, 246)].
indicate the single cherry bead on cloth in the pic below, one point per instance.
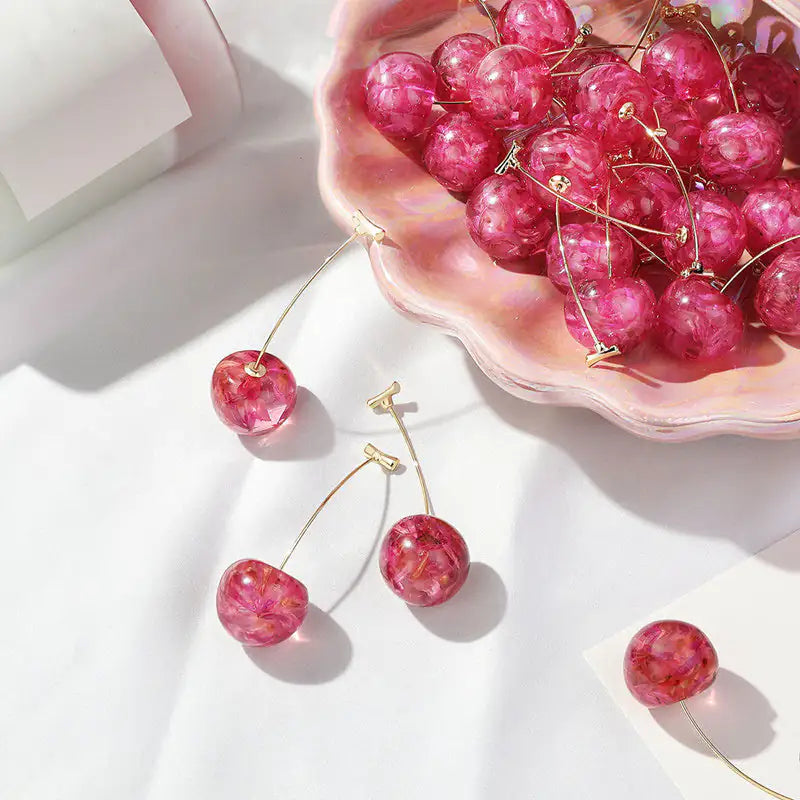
[(505, 220), (602, 91), (777, 298), (249, 405), (567, 153), (460, 151), (668, 662), (399, 91), (579, 61), (620, 310), (696, 322), (742, 149), (721, 232), (539, 25), (511, 88), (767, 84), (682, 64), (260, 605), (772, 214), (588, 254), (683, 128), (454, 61), (424, 560)]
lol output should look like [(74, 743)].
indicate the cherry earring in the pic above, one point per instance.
[(423, 559), (261, 605), (254, 392), (669, 662)]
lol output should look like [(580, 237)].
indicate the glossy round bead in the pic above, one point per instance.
[(777, 298), (587, 254), (539, 25), (682, 64), (721, 232), (248, 405), (683, 128), (424, 560), (669, 661), (644, 195), (568, 153), (460, 151), (767, 84), (714, 103), (621, 312), (505, 220), (742, 149), (399, 93), (260, 605), (772, 214), (454, 61), (602, 91), (511, 88), (696, 322), (580, 60)]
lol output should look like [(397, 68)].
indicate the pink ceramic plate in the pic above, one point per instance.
[(512, 322)]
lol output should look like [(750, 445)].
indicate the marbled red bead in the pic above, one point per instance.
[(772, 214), (646, 193), (539, 25), (580, 60), (714, 103), (767, 84), (777, 299), (454, 61), (683, 128)]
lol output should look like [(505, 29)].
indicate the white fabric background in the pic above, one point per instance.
[(123, 499)]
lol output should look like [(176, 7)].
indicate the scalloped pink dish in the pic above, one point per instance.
[(512, 322)]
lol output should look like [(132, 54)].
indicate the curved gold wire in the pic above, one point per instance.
[(647, 26), (755, 258), (725, 66), (608, 229), (490, 14)]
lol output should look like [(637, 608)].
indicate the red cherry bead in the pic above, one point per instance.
[(772, 214), (511, 88), (668, 662), (539, 25), (683, 128), (714, 103), (579, 61), (454, 61), (424, 560), (769, 85), (649, 191), (460, 151), (505, 220), (399, 92), (777, 298)]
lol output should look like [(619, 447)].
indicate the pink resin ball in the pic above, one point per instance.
[(424, 560), (454, 61), (772, 214), (648, 191), (683, 128), (539, 25), (581, 60), (511, 88), (742, 149), (777, 298), (505, 220), (683, 64), (602, 91), (714, 104), (721, 232), (621, 311), (669, 661), (696, 322), (568, 153), (460, 151), (248, 405), (399, 93), (587, 254), (260, 605), (767, 84)]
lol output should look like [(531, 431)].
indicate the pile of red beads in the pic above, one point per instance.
[(560, 146)]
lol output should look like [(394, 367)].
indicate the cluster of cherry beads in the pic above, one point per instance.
[(676, 163)]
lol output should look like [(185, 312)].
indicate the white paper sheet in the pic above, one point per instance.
[(83, 86), (751, 712)]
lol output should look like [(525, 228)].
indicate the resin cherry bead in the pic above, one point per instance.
[(714, 104), (511, 88), (742, 149), (587, 254), (424, 560), (668, 662), (769, 85), (454, 61), (696, 322), (649, 191), (579, 61), (683, 128), (721, 232), (620, 310), (460, 151), (683, 64), (777, 298), (260, 605), (772, 214), (505, 220), (567, 153), (539, 25), (602, 91), (399, 90), (250, 405)]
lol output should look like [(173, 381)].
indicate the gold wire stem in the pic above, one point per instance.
[(488, 12), (748, 264), (385, 402), (655, 255), (452, 102), (389, 463), (608, 229), (583, 32), (725, 760), (725, 66), (591, 47), (647, 26)]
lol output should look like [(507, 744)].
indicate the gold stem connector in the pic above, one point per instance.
[(389, 463)]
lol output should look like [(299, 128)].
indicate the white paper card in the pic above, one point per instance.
[(752, 712), (83, 86)]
